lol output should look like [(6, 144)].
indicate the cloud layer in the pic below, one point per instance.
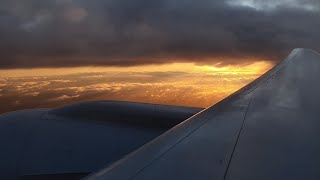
[(68, 33), (197, 86)]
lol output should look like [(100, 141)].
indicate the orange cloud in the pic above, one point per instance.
[(184, 84)]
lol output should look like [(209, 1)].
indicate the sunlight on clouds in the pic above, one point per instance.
[(63, 97), (184, 84), (255, 68), (263, 5), (32, 94), (252, 69)]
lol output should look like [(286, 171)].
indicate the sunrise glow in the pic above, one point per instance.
[(184, 84)]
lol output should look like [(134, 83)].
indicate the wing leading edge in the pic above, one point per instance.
[(249, 135)]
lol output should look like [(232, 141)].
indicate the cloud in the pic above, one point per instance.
[(199, 86), (270, 5), (76, 14), (63, 97), (68, 33)]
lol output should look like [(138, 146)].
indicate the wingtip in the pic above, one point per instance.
[(304, 50)]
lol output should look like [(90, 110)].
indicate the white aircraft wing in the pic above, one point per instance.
[(267, 130)]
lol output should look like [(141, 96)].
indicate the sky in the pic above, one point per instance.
[(56, 52), (182, 84)]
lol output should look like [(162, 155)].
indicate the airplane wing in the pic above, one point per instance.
[(267, 130)]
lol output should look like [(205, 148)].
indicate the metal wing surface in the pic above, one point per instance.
[(267, 130)]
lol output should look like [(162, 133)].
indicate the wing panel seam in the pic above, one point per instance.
[(236, 143), (169, 149)]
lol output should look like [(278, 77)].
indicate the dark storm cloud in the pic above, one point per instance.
[(55, 33)]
